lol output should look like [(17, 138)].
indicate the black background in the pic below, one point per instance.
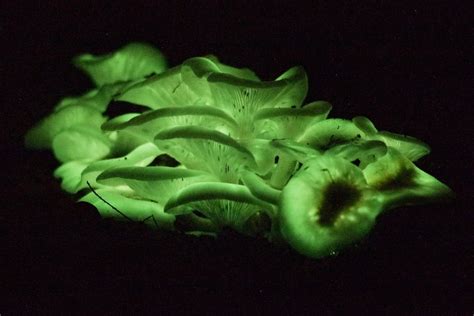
[(406, 67)]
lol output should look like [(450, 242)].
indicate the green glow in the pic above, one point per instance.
[(326, 206), (225, 204), (131, 62), (250, 155)]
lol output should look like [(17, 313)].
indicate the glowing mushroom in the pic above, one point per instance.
[(327, 206)]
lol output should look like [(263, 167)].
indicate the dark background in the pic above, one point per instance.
[(406, 67)]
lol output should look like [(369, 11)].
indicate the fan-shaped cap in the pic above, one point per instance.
[(326, 206), (133, 61)]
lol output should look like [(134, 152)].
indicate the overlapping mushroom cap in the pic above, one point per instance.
[(214, 146)]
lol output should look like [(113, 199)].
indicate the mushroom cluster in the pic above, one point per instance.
[(213, 146)]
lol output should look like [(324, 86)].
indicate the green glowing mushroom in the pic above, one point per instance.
[(212, 146), (150, 123), (402, 183), (42, 135), (77, 174), (330, 132), (182, 85), (204, 149), (153, 183), (225, 204), (131, 62), (327, 206), (410, 147), (243, 98)]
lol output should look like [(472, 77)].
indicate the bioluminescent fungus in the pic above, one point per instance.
[(216, 147)]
